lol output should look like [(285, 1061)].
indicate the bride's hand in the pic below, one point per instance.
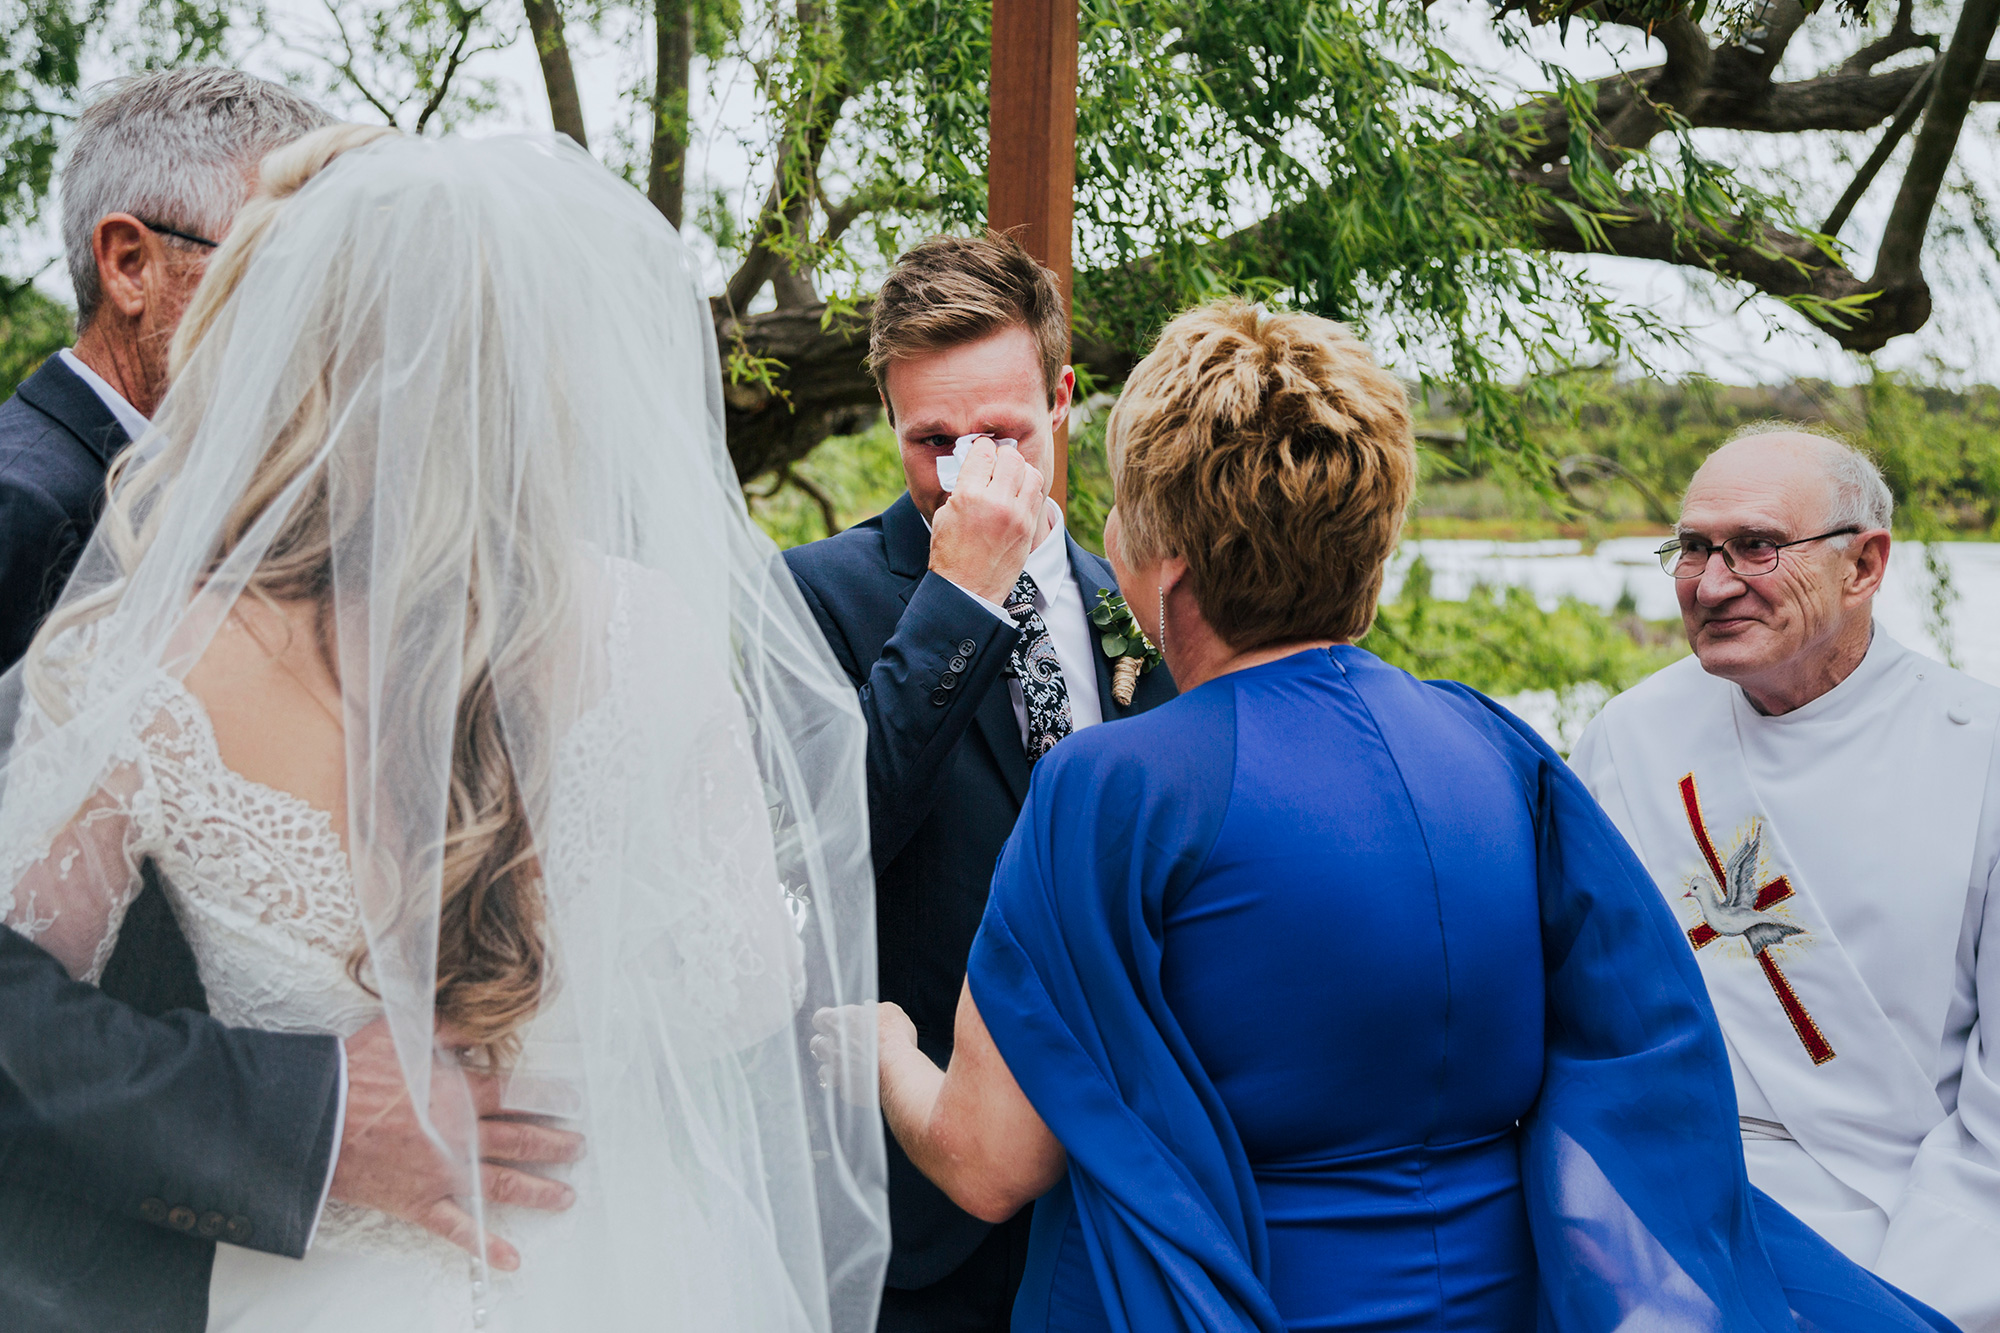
[(848, 1042)]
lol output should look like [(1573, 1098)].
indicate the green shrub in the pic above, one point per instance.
[(1501, 641), (33, 328)]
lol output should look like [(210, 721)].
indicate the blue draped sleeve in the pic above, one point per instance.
[(1641, 1213)]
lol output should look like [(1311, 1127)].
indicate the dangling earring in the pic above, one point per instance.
[(1163, 621)]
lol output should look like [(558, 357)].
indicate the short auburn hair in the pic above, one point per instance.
[(952, 290), (1271, 453)]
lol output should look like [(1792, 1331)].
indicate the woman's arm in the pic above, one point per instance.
[(969, 1128)]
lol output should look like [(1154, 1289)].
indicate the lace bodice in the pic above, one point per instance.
[(262, 886), (258, 879)]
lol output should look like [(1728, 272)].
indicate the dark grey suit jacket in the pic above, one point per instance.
[(946, 778), (135, 1131)]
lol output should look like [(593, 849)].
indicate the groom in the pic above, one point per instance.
[(964, 622)]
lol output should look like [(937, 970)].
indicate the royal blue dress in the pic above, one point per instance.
[(1351, 1011)]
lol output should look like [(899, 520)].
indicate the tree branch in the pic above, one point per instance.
[(1902, 36), (828, 514), (785, 205), (1677, 85), (1775, 262), (347, 70), (1897, 262), (450, 69), (545, 24), (788, 206), (822, 385), (1906, 116)]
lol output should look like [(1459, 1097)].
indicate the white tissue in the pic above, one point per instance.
[(949, 464)]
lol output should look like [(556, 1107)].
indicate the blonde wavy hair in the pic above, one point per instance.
[(492, 965)]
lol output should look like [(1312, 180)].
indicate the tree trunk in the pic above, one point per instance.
[(673, 32), (545, 23)]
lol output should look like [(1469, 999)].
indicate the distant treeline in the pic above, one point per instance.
[(1627, 453)]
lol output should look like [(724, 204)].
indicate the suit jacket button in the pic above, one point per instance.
[(238, 1229), (154, 1210), (947, 681), (181, 1218), (958, 663), (210, 1226), (967, 648), (940, 698)]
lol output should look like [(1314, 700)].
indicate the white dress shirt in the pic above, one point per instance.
[(128, 415), (135, 427), (1061, 604)]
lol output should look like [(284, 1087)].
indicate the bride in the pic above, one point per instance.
[(427, 650)]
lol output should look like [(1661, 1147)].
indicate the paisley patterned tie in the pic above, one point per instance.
[(1034, 664)]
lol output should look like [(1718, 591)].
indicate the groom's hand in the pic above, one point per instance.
[(386, 1161), (982, 533)]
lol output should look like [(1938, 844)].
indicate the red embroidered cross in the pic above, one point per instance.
[(1768, 896)]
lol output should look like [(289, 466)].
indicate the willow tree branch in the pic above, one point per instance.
[(1898, 260), (545, 25), (1765, 257), (811, 490), (451, 65), (782, 208), (1675, 86), (1628, 103), (1906, 116), (1902, 36), (347, 70)]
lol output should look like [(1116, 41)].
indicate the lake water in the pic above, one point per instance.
[(1555, 569)]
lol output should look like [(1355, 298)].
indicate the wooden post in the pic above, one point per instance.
[(1031, 158)]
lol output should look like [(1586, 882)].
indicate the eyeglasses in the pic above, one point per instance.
[(177, 235), (1687, 557)]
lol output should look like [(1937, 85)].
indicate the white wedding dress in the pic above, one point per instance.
[(465, 395), (261, 887)]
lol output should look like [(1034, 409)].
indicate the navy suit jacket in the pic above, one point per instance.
[(947, 774), (134, 1130)]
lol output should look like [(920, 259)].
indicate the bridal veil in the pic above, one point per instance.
[(498, 376)]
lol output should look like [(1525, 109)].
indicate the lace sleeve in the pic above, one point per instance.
[(68, 869)]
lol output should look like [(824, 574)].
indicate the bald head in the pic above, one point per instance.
[(1850, 488), (1784, 607)]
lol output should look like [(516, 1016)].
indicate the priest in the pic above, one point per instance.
[(1822, 807)]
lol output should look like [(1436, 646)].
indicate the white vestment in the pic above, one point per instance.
[(1833, 867)]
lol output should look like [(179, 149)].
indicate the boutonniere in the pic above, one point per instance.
[(1119, 635)]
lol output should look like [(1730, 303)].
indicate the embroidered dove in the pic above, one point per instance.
[(1738, 914)]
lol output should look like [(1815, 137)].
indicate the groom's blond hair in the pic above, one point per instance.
[(952, 290), (1270, 452)]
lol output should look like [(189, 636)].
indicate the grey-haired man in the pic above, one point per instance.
[(1822, 808), (135, 1131)]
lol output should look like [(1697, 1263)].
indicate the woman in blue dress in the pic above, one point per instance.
[(1323, 998)]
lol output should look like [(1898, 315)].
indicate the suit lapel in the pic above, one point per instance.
[(1094, 572), (1003, 737), (60, 394), (906, 540)]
